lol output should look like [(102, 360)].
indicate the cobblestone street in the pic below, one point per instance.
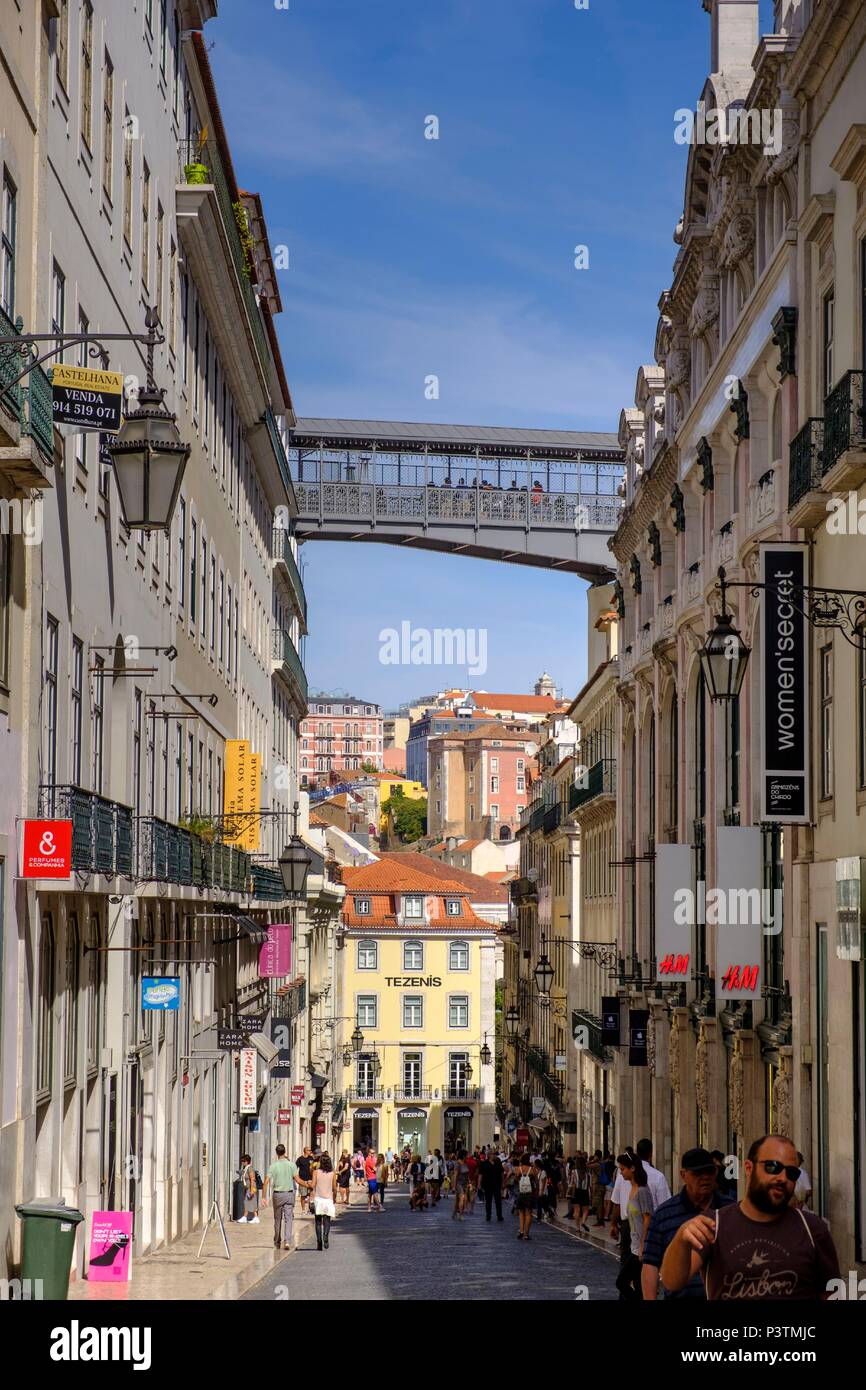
[(426, 1255)]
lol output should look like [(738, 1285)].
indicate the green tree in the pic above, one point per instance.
[(408, 815)]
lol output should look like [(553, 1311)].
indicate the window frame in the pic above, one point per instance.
[(412, 1001), (454, 946), (413, 898), (454, 1000), (363, 944), (370, 1004), (413, 944)]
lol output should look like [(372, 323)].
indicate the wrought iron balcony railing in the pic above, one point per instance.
[(552, 818), (282, 551), (267, 883), (600, 781), (29, 401), (806, 456), (101, 829), (523, 890), (168, 853), (413, 1092), (461, 1093), (355, 1093), (284, 651), (844, 418)]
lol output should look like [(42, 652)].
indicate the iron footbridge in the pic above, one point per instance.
[(547, 498)]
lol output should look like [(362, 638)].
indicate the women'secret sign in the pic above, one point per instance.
[(785, 794)]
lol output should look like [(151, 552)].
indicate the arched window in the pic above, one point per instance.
[(700, 784), (458, 955), (368, 954), (673, 764), (45, 1008), (413, 956), (504, 832)]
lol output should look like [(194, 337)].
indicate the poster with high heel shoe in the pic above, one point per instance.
[(110, 1247)]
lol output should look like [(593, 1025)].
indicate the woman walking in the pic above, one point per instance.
[(527, 1195), (461, 1176), (324, 1195), (581, 1180), (640, 1207), (382, 1173), (344, 1177)]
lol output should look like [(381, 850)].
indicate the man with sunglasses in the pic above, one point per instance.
[(762, 1248), (699, 1194)]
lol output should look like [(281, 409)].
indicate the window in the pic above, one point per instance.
[(458, 1011), (366, 1076), (137, 718), (494, 784), (494, 764), (368, 951), (190, 773), (163, 34), (87, 74), (75, 713), (193, 557), (58, 304), (94, 996), (413, 907), (413, 955), (127, 178), (160, 262), (45, 1017), (50, 751), (828, 330), (70, 1003), (457, 1078), (453, 907), (222, 617), (494, 812), (213, 609), (172, 294), (413, 1011), (196, 360), (521, 766), (5, 605), (62, 46), (7, 247), (108, 127), (368, 1011), (521, 784), (229, 622), (97, 723), (145, 225), (412, 1075), (825, 666), (458, 955), (181, 553), (203, 587)]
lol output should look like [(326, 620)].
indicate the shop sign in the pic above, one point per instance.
[(538, 1104), (297, 1095), (230, 1039), (284, 1117), (784, 722), (248, 1095), (160, 992), (110, 1247), (320, 1126), (241, 798), (366, 1113), (275, 957), (740, 932), (47, 849), (413, 1113), (87, 398), (610, 1015), (251, 1023), (522, 1139), (560, 1062), (453, 1112), (673, 873), (638, 1024)]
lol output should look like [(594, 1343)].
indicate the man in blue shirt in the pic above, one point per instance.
[(699, 1193)]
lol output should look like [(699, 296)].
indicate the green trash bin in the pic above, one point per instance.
[(48, 1243)]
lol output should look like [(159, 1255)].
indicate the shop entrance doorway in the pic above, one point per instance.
[(412, 1130), (458, 1128), (365, 1129)]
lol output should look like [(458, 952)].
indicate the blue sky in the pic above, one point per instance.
[(410, 257)]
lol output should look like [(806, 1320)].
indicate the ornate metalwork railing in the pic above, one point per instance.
[(806, 460), (101, 829), (364, 500), (282, 551), (844, 418), (284, 651)]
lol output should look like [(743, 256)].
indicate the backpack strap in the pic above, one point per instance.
[(806, 1224)]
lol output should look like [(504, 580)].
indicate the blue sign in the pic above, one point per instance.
[(160, 992)]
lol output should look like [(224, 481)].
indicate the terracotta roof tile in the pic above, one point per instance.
[(476, 886)]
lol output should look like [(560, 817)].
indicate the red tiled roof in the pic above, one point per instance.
[(477, 887), (534, 704), (385, 876)]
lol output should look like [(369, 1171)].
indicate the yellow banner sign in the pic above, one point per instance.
[(242, 799), (87, 378)]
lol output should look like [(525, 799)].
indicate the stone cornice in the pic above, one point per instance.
[(654, 497), (820, 47)]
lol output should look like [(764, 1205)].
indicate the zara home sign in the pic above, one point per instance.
[(785, 791)]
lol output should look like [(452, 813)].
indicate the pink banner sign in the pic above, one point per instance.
[(110, 1247), (275, 957)]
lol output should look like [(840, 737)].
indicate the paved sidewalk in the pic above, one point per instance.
[(174, 1273), (598, 1236)]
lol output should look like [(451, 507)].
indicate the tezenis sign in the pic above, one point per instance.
[(412, 981)]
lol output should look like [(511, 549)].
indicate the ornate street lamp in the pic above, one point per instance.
[(347, 1056), (467, 1071), (512, 1020), (295, 862), (485, 1055), (724, 655), (357, 1038), (148, 455), (543, 972)]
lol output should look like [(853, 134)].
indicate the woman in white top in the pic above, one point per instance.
[(324, 1198)]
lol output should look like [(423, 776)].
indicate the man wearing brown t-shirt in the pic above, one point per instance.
[(762, 1247)]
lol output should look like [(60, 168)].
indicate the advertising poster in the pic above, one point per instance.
[(275, 957), (110, 1247)]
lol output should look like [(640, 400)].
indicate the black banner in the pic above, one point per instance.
[(610, 1021), (784, 685), (230, 1039), (638, 1023)]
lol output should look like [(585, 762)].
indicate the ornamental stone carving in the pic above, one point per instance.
[(705, 310), (701, 1073), (651, 1045), (674, 1060), (782, 1097), (736, 1088), (780, 163), (738, 240)]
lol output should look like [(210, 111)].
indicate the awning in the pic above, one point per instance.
[(256, 931), (265, 1048)]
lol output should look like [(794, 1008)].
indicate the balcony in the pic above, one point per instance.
[(845, 434), (472, 1093), (645, 640), (167, 853), (287, 663), (665, 618), (693, 582), (726, 544), (284, 560), (101, 829), (806, 502), (536, 820), (267, 883), (600, 788), (552, 819), (356, 1093), (27, 404), (424, 1093), (523, 891), (279, 448), (593, 1028)]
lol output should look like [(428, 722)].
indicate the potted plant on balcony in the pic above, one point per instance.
[(197, 171)]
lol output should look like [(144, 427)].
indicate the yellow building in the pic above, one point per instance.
[(386, 784), (418, 980)]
